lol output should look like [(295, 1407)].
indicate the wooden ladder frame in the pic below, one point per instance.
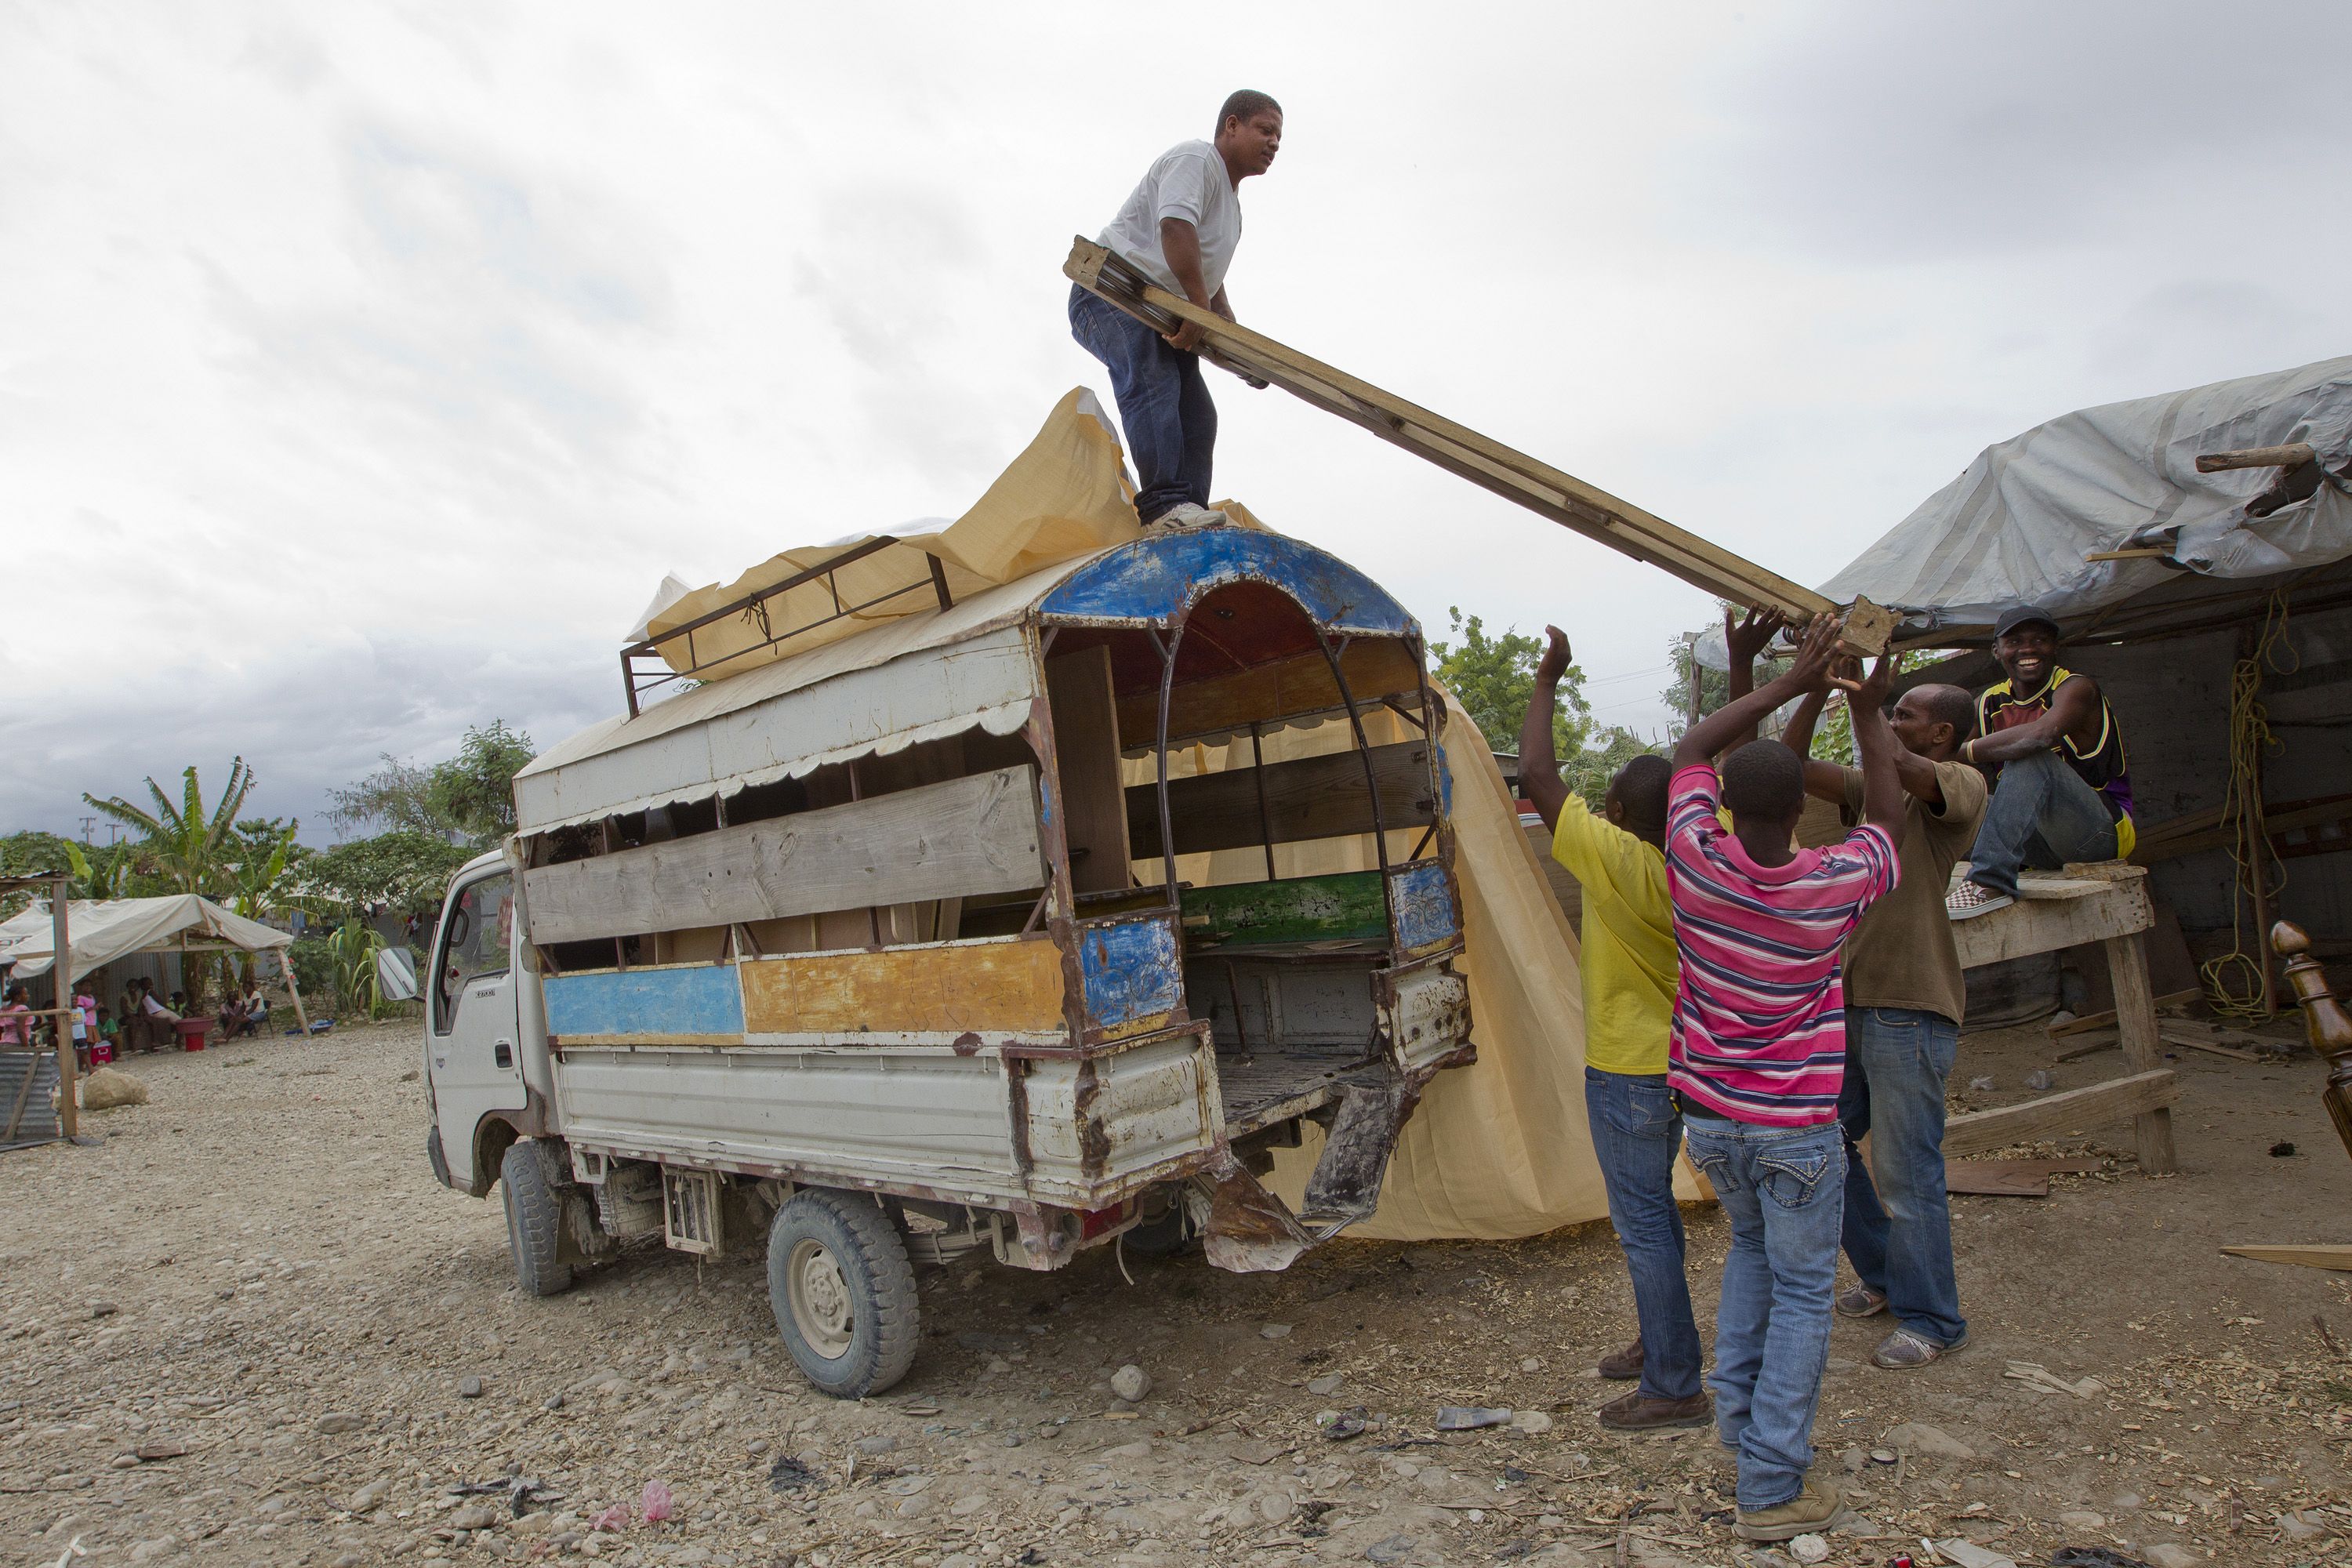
[(1458, 449)]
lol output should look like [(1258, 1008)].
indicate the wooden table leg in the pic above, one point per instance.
[(2143, 1048)]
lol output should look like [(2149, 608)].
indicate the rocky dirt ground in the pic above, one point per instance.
[(249, 1328)]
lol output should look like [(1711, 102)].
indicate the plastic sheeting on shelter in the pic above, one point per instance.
[(100, 931)]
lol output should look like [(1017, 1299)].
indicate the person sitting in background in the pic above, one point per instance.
[(256, 1008), (110, 1036), (230, 1019), (162, 1024)]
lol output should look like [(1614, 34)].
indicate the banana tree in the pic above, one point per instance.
[(351, 952), (187, 844), (260, 883), (97, 883)]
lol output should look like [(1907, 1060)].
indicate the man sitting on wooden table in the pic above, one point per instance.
[(2051, 744), (1904, 1000)]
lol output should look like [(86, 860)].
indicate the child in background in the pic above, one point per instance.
[(1757, 1057), (108, 1034), (85, 1025)]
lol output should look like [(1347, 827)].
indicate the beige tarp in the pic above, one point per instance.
[(100, 931), (1495, 1149)]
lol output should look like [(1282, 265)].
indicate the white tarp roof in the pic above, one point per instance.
[(100, 931), (2018, 522)]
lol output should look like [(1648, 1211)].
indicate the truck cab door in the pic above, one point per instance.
[(473, 1042)]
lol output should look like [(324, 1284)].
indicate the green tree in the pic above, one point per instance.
[(28, 854), (190, 848), (99, 874), (396, 796), (1588, 771), (1494, 679), (468, 799), (406, 870)]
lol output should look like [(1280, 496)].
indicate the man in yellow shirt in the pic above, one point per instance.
[(1630, 971)]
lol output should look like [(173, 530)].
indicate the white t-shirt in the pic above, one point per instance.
[(1188, 182)]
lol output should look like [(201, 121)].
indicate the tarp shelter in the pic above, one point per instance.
[(2214, 608), (101, 931), (1496, 1149)]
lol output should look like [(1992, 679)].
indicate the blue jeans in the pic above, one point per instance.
[(1783, 1190), (1898, 1228), (2041, 815), (1636, 1130), (1163, 403)]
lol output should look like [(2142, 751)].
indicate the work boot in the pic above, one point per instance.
[(1637, 1412), (1818, 1507), (1860, 1301), (1622, 1364)]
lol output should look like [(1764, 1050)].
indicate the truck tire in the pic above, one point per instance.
[(534, 1222), (842, 1291)]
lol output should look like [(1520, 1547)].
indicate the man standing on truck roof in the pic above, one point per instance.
[(1179, 226), (2060, 791)]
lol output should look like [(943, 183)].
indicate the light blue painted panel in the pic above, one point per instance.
[(1152, 578), (697, 999), (1130, 971), (1425, 906)]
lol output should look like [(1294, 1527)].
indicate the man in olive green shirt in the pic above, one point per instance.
[(1904, 1000)]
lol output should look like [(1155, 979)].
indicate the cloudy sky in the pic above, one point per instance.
[(364, 368)]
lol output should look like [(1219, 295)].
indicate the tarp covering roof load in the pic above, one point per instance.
[(827, 696), (101, 931), (2020, 521)]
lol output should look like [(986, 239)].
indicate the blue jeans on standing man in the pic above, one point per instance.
[(1898, 1228), (2042, 813), (1636, 1131), (1783, 1189), (1163, 403)]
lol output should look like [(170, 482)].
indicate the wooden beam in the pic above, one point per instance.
[(2107, 1020), (2292, 454), (2054, 1115), (956, 839), (2323, 1254), (61, 986), (1458, 449), (294, 993), (1306, 797), (2084, 912), (1096, 816), (2143, 1047)]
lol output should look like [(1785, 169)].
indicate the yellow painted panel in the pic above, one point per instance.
[(984, 987)]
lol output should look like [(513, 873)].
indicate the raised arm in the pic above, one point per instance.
[(1875, 743), (1540, 778), (1742, 641), (1823, 781), (1826, 781), (2073, 709), (1725, 727)]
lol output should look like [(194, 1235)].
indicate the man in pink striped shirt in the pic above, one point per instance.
[(1757, 1055)]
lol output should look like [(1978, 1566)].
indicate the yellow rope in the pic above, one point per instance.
[(2233, 981)]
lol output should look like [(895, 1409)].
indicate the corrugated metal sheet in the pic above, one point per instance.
[(39, 1123)]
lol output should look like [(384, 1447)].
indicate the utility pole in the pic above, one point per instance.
[(87, 824)]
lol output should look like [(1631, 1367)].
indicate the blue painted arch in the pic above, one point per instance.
[(1156, 578)]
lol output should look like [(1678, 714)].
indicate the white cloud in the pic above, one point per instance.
[(362, 370)]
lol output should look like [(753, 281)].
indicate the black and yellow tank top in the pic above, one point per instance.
[(2100, 765)]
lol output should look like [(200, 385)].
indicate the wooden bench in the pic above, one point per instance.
[(2107, 903)]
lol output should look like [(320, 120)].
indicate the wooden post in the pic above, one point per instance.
[(2325, 1025), (2143, 1048), (293, 993), (62, 984), (2254, 834)]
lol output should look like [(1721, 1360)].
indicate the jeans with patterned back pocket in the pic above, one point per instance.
[(1783, 1189), (1636, 1132)]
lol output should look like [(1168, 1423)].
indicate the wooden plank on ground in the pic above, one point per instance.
[(2323, 1255), (2188, 1039), (2048, 925), (2008, 1178), (961, 837), (1458, 449), (2107, 1020), (1308, 797), (2054, 1115)]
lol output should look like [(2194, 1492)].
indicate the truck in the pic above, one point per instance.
[(1034, 921)]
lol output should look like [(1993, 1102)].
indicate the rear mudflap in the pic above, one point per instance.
[(1247, 1229)]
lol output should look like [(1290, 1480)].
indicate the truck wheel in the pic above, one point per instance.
[(1165, 1230), (842, 1291), (534, 1222)]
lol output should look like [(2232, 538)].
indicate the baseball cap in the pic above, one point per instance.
[(2018, 615)]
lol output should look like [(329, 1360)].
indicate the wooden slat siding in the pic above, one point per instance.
[(963, 837), (1308, 797), (1094, 814), (2055, 1115), (2047, 924), (1376, 666), (998, 987), (1344, 906), (1484, 462)]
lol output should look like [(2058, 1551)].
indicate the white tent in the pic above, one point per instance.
[(101, 931)]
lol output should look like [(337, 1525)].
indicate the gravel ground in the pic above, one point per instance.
[(249, 1328)]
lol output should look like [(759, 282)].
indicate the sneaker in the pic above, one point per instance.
[(1862, 1301), (1969, 900), (1636, 1412), (1905, 1349), (1622, 1364), (1816, 1508), (1184, 515)]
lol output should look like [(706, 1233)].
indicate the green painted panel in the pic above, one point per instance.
[(1345, 906)]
